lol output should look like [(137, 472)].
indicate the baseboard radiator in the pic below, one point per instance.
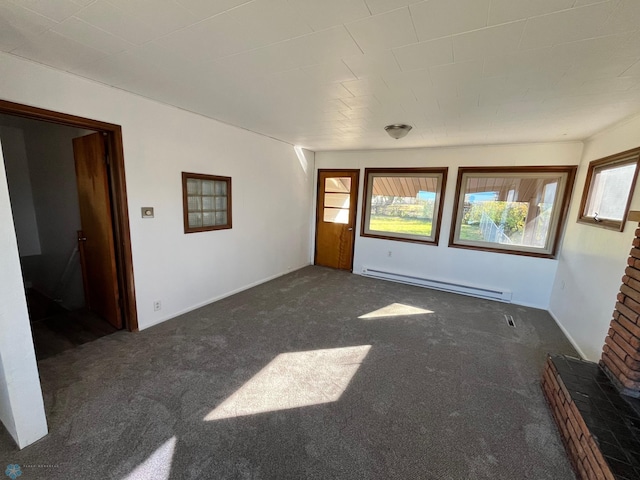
[(447, 286)]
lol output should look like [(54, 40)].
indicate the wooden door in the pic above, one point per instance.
[(96, 244), (336, 218)]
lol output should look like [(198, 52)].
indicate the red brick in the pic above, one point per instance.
[(619, 351), (630, 383), (631, 303), (630, 292), (576, 439), (626, 334), (632, 272), (609, 363), (566, 396), (574, 414), (628, 377), (624, 344), (590, 474), (627, 312), (548, 376), (629, 325), (633, 283), (548, 393), (596, 454), (561, 422), (636, 242), (582, 472), (635, 252), (632, 364)]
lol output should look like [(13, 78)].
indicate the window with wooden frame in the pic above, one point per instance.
[(517, 210), (403, 203), (206, 202), (608, 190)]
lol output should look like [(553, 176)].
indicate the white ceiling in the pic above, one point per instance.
[(330, 74)]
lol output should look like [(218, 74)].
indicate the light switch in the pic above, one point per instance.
[(147, 212)]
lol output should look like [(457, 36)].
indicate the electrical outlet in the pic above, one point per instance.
[(157, 305), (389, 253)]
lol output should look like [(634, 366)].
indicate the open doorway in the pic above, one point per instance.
[(66, 183)]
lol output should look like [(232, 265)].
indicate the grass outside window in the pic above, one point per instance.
[(403, 204)]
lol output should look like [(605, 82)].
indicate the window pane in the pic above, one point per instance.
[(220, 188), (518, 212), (221, 203), (221, 218), (404, 205), (338, 185), (508, 210), (610, 187), (195, 220), (194, 204), (336, 215), (193, 186), (208, 219), (208, 203), (207, 187), (340, 200)]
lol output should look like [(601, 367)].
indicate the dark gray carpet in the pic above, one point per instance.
[(452, 394)]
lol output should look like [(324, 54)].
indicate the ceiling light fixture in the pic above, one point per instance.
[(398, 130)]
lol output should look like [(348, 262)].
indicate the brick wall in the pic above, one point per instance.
[(584, 453), (621, 352)]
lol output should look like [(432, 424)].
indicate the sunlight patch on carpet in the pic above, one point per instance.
[(158, 465), (293, 380), (395, 310)]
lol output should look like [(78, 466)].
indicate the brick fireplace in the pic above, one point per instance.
[(597, 406), (621, 353)]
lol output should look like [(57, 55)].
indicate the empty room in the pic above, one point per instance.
[(304, 239)]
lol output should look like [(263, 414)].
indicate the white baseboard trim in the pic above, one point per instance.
[(568, 335), (219, 297)]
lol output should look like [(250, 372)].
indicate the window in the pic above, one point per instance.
[(206, 202), (337, 200), (608, 190), (511, 210), (403, 203)]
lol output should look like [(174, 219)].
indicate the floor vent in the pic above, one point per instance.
[(509, 320), (471, 290)]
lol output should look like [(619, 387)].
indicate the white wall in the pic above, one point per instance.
[(529, 279), (271, 192), (21, 405), (20, 191), (592, 260)]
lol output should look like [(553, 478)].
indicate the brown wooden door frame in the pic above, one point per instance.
[(122, 233), (353, 209)]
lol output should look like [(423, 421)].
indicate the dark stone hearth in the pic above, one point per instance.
[(612, 419)]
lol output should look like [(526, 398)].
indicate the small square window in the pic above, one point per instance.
[(608, 190), (206, 202)]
